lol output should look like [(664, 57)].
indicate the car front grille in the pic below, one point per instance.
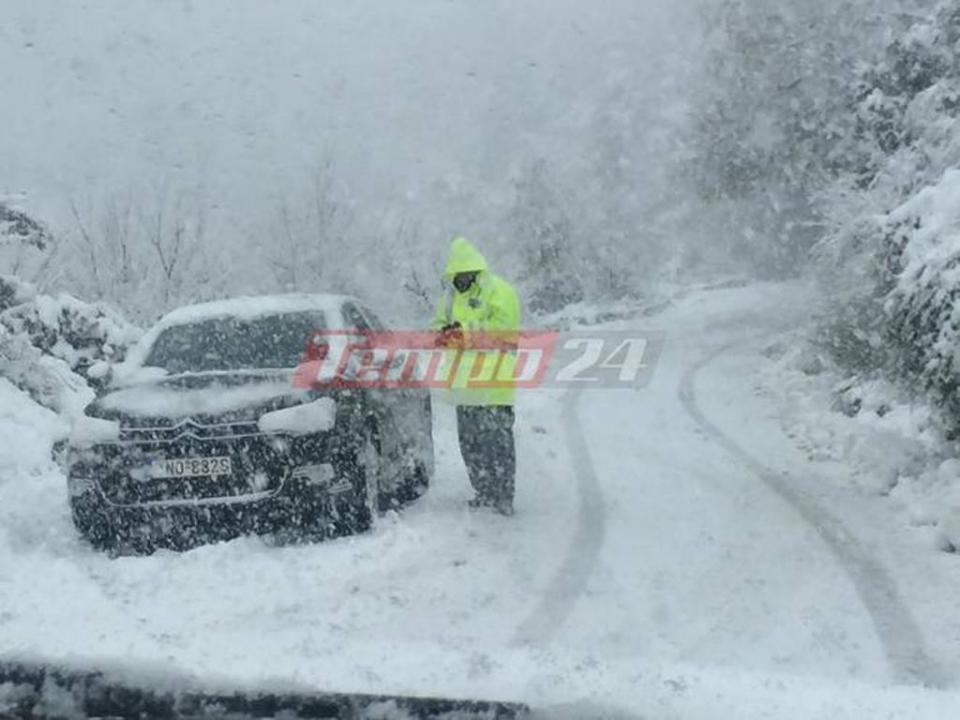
[(258, 467), (189, 429)]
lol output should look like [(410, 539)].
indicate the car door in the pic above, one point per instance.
[(406, 410), (382, 404)]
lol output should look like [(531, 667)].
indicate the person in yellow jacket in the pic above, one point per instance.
[(479, 315)]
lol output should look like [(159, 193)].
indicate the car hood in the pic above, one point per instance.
[(234, 397)]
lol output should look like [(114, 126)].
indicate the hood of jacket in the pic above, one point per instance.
[(464, 257)]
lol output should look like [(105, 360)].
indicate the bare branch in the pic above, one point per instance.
[(91, 249)]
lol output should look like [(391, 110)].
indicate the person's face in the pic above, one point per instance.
[(464, 281)]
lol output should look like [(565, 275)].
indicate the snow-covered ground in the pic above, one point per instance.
[(869, 435), (675, 554)]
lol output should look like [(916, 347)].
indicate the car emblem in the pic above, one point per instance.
[(187, 429), (185, 423)]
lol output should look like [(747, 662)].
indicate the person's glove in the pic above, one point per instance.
[(450, 335)]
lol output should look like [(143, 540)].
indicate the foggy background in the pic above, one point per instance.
[(339, 145)]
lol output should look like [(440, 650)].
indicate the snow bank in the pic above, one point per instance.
[(33, 509), (77, 332), (47, 379), (49, 344), (666, 294), (885, 440)]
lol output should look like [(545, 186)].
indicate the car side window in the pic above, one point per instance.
[(373, 320), (354, 318)]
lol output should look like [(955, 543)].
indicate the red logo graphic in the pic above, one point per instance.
[(418, 359)]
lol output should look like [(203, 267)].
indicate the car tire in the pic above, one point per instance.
[(414, 486), (92, 524)]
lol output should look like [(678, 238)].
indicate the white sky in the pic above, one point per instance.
[(241, 97)]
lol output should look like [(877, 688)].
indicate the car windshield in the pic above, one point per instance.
[(230, 343)]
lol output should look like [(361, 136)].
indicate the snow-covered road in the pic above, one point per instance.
[(673, 553)]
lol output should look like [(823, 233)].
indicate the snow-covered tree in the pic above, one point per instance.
[(146, 256), (310, 247), (24, 241), (542, 225), (773, 121), (893, 250)]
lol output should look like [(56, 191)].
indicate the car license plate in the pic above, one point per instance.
[(191, 467)]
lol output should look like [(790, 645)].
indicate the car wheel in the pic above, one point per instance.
[(414, 485), (93, 525)]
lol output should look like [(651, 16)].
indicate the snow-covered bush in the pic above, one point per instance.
[(924, 306), (79, 333), (48, 345), (773, 120), (49, 381), (24, 241), (892, 258), (14, 292), (17, 226)]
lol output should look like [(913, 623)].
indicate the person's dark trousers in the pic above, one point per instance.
[(487, 446)]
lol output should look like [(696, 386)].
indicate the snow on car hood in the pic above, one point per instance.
[(202, 395)]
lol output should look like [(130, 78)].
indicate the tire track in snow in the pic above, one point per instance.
[(562, 592), (896, 628)]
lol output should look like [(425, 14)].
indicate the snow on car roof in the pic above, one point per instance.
[(250, 307)]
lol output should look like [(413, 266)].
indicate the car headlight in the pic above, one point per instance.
[(89, 431), (313, 417)]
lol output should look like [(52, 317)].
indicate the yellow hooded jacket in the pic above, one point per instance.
[(491, 306)]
